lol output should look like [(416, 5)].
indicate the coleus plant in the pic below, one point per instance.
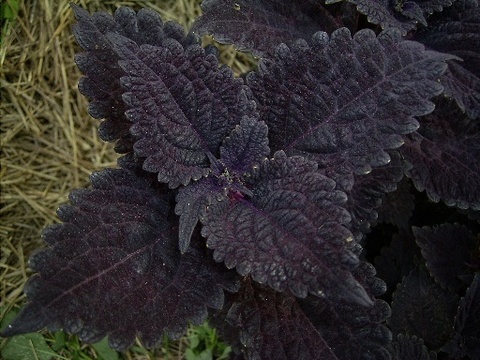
[(250, 201)]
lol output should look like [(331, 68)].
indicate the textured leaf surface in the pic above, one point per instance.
[(445, 153), (101, 84), (457, 31), (113, 267), (448, 250), (182, 105), (272, 326), (246, 147), (384, 13), (259, 26), (240, 153), (290, 234), (192, 203), (463, 86), (279, 326), (466, 339), (422, 308), (409, 348), (399, 14), (352, 330), (367, 193), (343, 101)]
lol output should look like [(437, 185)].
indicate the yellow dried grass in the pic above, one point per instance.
[(49, 143)]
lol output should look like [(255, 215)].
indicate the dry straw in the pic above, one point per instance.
[(49, 143)]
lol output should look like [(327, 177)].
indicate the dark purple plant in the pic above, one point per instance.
[(255, 203)]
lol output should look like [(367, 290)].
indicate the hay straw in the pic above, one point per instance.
[(49, 144)]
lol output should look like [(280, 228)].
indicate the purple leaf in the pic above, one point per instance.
[(411, 10), (272, 326), (445, 153), (279, 326), (192, 203), (466, 339), (259, 26), (448, 251), (422, 308), (366, 273), (175, 91), (246, 146), (367, 193), (113, 267), (457, 31), (99, 63), (430, 6), (409, 348), (399, 14), (352, 331), (463, 86), (290, 233), (344, 102), (182, 106), (385, 13), (244, 149)]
